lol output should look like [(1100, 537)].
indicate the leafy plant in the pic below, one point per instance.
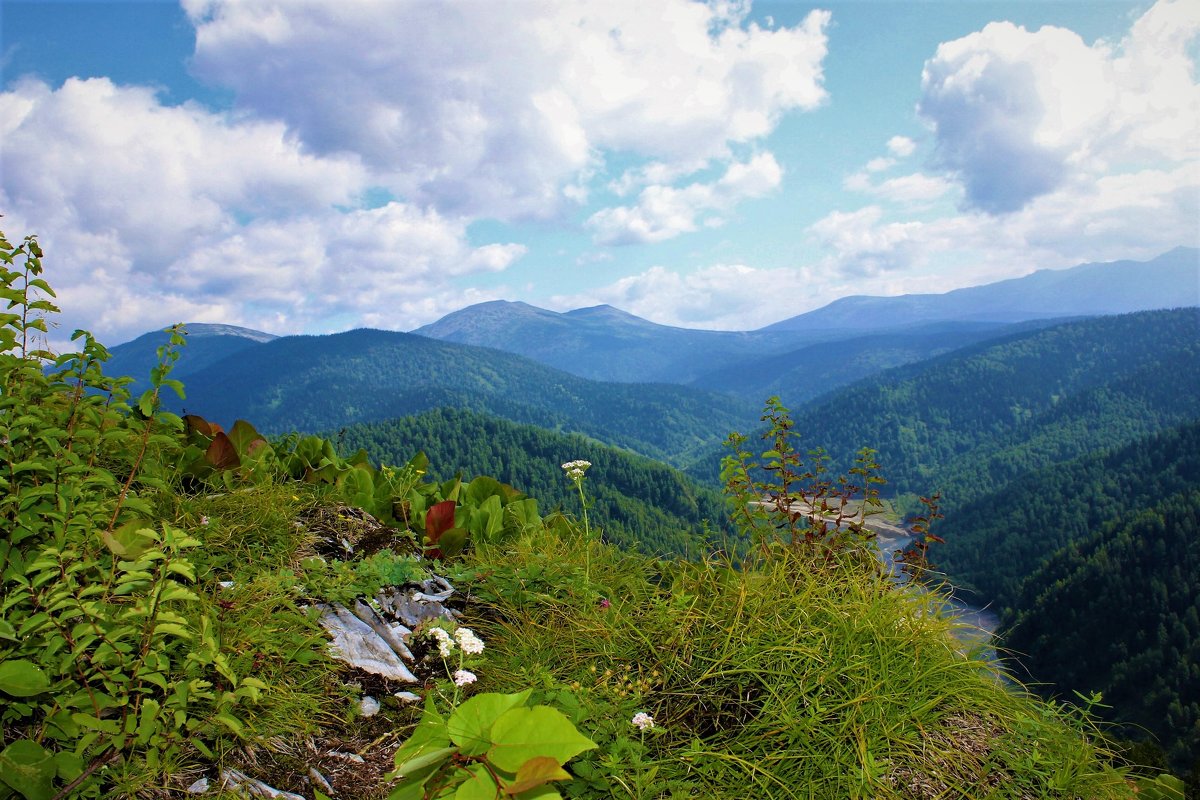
[(491, 745), (785, 498), (107, 657)]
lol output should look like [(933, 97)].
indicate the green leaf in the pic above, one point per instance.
[(479, 785), (29, 768), (21, 678), (130, 540), (425, 759), (147, 402), (525, 733), (470, 726), (535, 772)]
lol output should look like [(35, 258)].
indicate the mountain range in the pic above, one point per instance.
[(605, 343)]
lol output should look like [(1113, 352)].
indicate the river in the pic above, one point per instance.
[(979, 623)]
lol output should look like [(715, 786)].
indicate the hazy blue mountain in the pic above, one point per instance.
[(1171, 280), (802, 357), (602, 342), (207, 344), (321, 383), (817, 369)]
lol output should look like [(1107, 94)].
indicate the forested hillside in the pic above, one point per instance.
[(637, 501), (969, 422), (1119, 613), (800, 375), (313, 383), (995, 542)]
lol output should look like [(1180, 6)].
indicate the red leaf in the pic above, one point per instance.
[(221, 453), (198, 424), (439, 519)]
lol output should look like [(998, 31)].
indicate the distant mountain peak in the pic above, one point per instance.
[(221, 329)]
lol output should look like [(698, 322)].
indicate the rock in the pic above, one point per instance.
[(243, 784)]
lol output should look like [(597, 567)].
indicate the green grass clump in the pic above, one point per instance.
[(776, 680)]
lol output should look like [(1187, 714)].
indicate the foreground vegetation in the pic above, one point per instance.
[(162, 580)]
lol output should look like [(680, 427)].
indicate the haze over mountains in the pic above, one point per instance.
[(605, 343)]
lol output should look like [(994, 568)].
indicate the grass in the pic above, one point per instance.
[(782, 680)]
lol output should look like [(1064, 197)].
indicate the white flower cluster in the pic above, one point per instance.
[(468, 641), (464, 677), (575, 469), (444, 643), (471, 644), (642, 721)]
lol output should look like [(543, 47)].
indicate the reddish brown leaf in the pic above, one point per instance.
[(221, 453)]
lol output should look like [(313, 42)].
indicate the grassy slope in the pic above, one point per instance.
[(777, 681)]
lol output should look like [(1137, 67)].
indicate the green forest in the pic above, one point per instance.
[(1117, 613), (637, 502)]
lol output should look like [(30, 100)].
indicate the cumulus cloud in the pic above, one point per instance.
[(478, 110), (1137, 215), (153, 214), (1018, 114), (664, 212), (719, 297)]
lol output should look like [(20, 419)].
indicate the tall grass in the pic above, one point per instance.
[(777, 680)]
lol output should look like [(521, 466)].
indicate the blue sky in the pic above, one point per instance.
[(304, 166)]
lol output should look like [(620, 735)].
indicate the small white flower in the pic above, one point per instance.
[(575, 469), (642, 720), (468, 641), (464, 677), (445, 644)]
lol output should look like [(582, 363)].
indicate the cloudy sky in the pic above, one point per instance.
[(310, 166)]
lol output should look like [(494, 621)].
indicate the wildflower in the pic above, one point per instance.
[(445, 644), (604, 602), (464, 677), (642, 721), (203, 520), (468, 641), (575, 469)]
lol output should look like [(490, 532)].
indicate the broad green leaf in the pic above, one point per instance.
[(479, 785), (525, 733), (452, 542), (481, 489), (21, 678), (535, 772), (29, 768), (470, 726)]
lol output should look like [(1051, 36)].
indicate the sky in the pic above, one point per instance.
[(304, 166)]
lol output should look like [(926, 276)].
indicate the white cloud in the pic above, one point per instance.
[(1137, 215), (480, 110), (664, 212), (719, 297), (901, 146), (152, 214), (1019, 114)]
